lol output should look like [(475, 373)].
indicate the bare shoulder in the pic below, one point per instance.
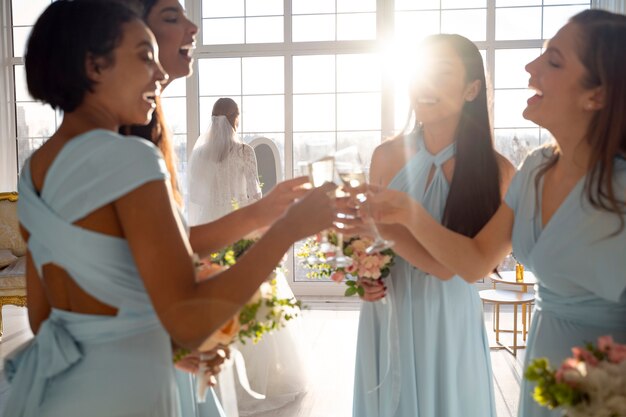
[(507, 171), (387, 159)]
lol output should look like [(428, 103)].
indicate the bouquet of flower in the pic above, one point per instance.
[(374, 266), (264, 313), (591, 383)]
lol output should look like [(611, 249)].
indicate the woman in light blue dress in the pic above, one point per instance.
[(104, 237), (565, 209), (424, 352)]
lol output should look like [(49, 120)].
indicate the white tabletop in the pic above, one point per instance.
[(508, 277)]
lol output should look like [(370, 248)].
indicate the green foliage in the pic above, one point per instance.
[(548, 392), (278, 312), (229, 255)]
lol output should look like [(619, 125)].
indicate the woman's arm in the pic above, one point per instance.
[(210, 237), (414, 251), (472, 259), (191, 311), (406, 245)]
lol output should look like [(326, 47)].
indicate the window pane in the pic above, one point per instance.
[(220, 76), (313, 28), (175, 111), (358, 111), (25, 148), (20, 38), (206, 108), (356, 26), (554, 17), (220, 8), (463, 4), (455, 21), (311, 146), (263, 75), (222, 31), (176, 88), (509, 105), (416, 25), (308, 6), (264, 29), (35, 120), (358, 73), (263, 113), (515, 144), (314, 74), (21, 88), (551, 2), (26, 12), (313, 112), (344, 6), (264, 7), (509, 69), (417, 5), (366, 142), (508, 3), (518, 23)]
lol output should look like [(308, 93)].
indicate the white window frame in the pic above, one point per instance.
[(287, 49)]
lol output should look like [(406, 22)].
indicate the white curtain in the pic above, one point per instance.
[(616, 6)]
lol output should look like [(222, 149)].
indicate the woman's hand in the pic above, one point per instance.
[(312, 213), (212, 361), (375, 289), (349, 216), (388, 206), (274, 204)]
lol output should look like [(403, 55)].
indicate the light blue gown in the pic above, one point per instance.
[(580, 268), (80, 364), (424, 353), (187, 387)]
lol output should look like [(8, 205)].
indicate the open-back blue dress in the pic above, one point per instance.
[(580, 264), (424, 353), (81, 364)]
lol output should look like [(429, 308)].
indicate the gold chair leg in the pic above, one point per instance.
[(1, 328), (514, 329), (496, 307), (524, 322)]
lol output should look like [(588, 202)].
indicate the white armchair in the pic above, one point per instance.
[(12, 276), (268, 162)]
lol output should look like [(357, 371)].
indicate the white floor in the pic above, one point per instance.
[(331, 330)]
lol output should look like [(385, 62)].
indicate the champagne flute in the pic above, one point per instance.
[(320, 172), (350, 169)]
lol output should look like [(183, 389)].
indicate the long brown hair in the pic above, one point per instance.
[(158, 133), (601, 41), (157, 130), (474, 193)]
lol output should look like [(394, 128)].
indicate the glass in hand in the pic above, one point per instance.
[(352, 174), (319, 172)]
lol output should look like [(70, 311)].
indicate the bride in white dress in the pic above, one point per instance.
[(223, 176)]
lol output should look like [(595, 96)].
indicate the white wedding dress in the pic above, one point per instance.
[(276, 366)]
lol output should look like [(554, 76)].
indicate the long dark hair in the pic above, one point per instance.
[(474, 193), (601, 51), (157, 130)]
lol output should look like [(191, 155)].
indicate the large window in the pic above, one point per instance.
[(316, 76)]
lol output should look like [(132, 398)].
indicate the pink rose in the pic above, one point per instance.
[(585, 356), (359, 245), (605, 343), (337, 276), (568, 364), (351, 268), (617, 354)]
